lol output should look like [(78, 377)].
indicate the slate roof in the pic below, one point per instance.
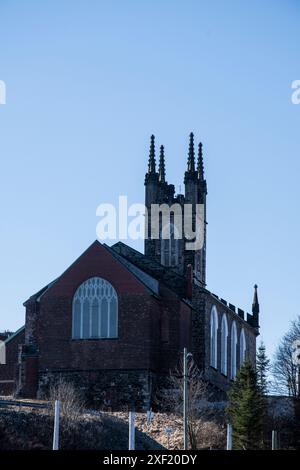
[(170, 277), (167, 276), (149, 281)]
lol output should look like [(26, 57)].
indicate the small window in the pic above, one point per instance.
[(169, 246), (214, 338), (233, 350), (95, 310), (242, 347), (224, 339)]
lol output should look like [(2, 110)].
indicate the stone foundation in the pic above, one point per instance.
[(106, 389)]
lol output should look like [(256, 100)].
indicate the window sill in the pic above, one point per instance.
[(94, 339)]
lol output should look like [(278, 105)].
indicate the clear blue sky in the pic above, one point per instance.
[(89, 81)]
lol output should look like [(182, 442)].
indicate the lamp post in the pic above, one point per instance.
[(186, 355)]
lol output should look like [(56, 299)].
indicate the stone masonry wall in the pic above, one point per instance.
[(214, 375), (126, 390)]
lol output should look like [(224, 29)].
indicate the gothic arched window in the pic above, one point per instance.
[(169, 245), (95, 310), (242, 347), (233, 350), (214, 338), (224, 336)]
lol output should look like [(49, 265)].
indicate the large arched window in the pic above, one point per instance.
[(169, 245), (214, 338), (95, 310), (242, 347), (233, 350), (224, 336)]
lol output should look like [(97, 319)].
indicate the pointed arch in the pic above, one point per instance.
[(170, 245), (224, 341), (233, 350), (243, 347), (214, 337), (95, 310)]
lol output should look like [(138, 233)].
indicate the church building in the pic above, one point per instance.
[(116, 321)]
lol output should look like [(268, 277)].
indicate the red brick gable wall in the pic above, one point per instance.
[(95, 261), (139, 341), (152, 331)]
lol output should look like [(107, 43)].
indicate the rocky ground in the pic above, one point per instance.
[(167, 430), (29, 429), (32, 428)]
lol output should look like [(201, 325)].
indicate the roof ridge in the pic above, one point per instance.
[(37, 295), (168, 276), (14, 334), (146, 258), (132, 268)]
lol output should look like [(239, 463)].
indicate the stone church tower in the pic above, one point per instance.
[(173, 252)]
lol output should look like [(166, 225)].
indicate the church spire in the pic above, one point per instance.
[(255, 304), (161, 168), (151, 162), (191, 157), (255, 308), (200, 166)]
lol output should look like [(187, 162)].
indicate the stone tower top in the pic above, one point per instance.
[(173, 252)]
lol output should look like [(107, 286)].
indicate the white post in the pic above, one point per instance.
[(274, 440), (56, 427), (229, 437), (131, 431), (185, 398)]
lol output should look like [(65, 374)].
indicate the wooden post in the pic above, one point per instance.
[(229, 437), (131, 431), (56, 426)]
